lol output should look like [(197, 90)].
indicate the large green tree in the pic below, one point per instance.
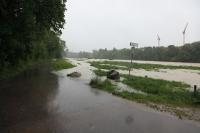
[(29, 29)]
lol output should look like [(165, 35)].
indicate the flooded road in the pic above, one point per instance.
[(43, 102)]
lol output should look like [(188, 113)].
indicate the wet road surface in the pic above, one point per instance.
[(42, 102)]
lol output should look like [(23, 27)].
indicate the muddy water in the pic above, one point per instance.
[(155, 62), (191, 77), (42, 102)]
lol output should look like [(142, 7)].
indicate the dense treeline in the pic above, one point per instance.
[(30, 30), (186, 53)]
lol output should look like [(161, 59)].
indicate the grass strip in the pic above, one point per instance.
[(148, 67), (60, 64), (157, 90)]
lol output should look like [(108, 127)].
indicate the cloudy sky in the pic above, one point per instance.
[(94, 24)]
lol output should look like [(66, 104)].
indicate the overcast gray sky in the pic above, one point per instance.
[(94, 24)]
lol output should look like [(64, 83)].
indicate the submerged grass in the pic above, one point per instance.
[(99, 72), (157, 90), (162, 102), (118, 65), (103, 85), (10, 72), (162, 91), (60, 64), (159, 94)]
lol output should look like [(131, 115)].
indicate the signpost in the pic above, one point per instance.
[(133, 45)]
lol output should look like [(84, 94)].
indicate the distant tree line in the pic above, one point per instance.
[(30, 30), (186, 53)]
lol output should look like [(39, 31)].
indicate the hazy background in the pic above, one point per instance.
[(94, 24)]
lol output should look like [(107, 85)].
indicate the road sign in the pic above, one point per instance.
[(132, 44)]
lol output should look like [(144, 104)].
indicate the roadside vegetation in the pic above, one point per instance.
[(99, 72), (30, 34), (170, 97), (56, 65), (161, 91), (60, 64), (126, 66), (103, 85), (156, 90), (9, 72), (187, 53)]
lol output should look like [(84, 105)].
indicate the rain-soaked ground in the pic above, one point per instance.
[(43, 102), (191, 77)]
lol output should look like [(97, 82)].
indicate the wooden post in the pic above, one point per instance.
[(195, 90)]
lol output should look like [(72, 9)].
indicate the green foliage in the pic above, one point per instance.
[(103, 85), (118, 65), (157, 91), (99, 72), (30, 30), (20, 68), (166, 91), (84, 54), (61, 64), (186, 53)]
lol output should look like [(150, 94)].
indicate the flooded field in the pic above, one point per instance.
[(44, 102), (154, 62), (191, 77)]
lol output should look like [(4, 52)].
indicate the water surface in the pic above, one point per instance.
[(44, 102)]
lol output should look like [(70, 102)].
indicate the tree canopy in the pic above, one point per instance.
[(185, 53), (30, 30)]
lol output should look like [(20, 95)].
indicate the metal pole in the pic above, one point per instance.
[(130, 65), (133, 45), (131, 57)]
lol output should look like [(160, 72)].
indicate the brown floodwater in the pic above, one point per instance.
[(43, 102), (188, 76)]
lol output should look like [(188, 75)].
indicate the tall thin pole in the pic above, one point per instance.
[(133, 45), (131, 59)]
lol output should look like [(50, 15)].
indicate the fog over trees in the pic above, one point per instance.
[(185, 53)]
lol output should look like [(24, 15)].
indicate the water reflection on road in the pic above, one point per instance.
[(41, 102)]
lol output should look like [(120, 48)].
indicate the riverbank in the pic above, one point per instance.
[(180, 72), (53, 64), (42, 102), (146, 66), (162, 95), (59, 64)]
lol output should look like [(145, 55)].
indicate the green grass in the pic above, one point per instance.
[(112, 65), (60, 64), (169, 100), (106, 65), (13, 71), (103, 85), (99, 72), (10, 72), (162, 91), (157, 90)]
